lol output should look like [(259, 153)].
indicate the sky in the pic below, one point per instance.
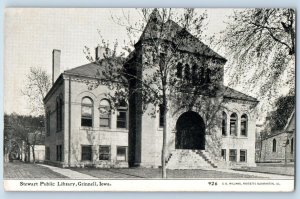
[(32, 33)]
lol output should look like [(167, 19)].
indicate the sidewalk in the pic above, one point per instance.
[(68, 172)]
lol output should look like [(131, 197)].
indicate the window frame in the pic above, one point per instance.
[(48, 129), (122, 108), (245, 156), (91, 152), (223, 154), (292, 146), (235, 123), (109, 152), (101, 118), (244, 121), (224, 124), (126, 153), (91, 118), (274, 145), (59, 114), (59, 153), (235, 155)]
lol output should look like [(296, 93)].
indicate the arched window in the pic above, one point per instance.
[(59, 111), (122, 115), (179, 70), (87, 112), (233, 124), (187, 72), (194, 74), (48, 123), (201, 75), (105, 110), (224, 124), (274, 145), (292, 145), (207, 76), (244, 125)]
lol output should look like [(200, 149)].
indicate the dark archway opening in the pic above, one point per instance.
[(190, 131)]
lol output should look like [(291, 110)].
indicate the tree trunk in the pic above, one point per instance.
[(33, 154), (164, 147)]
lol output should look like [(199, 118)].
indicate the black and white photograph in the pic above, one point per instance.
[(149, 99)]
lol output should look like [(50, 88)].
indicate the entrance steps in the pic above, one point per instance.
[(189, 159)]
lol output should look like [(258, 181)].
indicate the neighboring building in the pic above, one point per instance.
[(280, 147), (82, 129)]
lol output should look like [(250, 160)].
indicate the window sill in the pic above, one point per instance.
[(86, 128)]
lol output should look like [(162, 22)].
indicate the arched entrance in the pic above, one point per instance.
[(190, 131)]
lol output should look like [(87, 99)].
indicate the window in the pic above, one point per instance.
[(233, 124), (194, 74), (244, 125), (224, 124), (292, 145), (122, 115), (104, 153), (47, 153), (207, 76), (59, 153), (274, 145), (87, 112), (187, 72), (179, 70), (232, 155), (48, 123), (161, 116), (121, 153), (223, 154), (86, 153), (243, 155), (59, 117), (104, 110)]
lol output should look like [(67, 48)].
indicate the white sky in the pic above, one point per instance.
[(32, 34)]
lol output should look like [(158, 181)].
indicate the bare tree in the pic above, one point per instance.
[(161, 79), (261, 46), (36, 87)]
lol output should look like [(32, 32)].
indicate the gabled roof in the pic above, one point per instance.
[(174, 33), (95, 69), (234, 94)]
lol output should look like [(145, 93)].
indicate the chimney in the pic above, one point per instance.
[(102, 52), (55, 65)]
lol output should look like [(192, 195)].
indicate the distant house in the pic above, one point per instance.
[(83, 130), (280, 146)]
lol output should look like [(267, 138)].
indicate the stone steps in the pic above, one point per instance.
[(189, 159)]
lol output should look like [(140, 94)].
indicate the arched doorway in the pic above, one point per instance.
[(190, 131)]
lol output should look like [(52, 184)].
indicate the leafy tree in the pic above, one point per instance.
[(284, 107), (19, 130), (160, 79), (260, 44)]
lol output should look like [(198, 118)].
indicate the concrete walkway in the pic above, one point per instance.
[(68, 172)]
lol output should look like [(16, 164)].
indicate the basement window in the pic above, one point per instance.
[(104, 153), (232, 155), (86, 153), (121, 153)]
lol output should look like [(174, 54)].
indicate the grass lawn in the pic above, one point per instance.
[(139, 173), (20, 170)]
